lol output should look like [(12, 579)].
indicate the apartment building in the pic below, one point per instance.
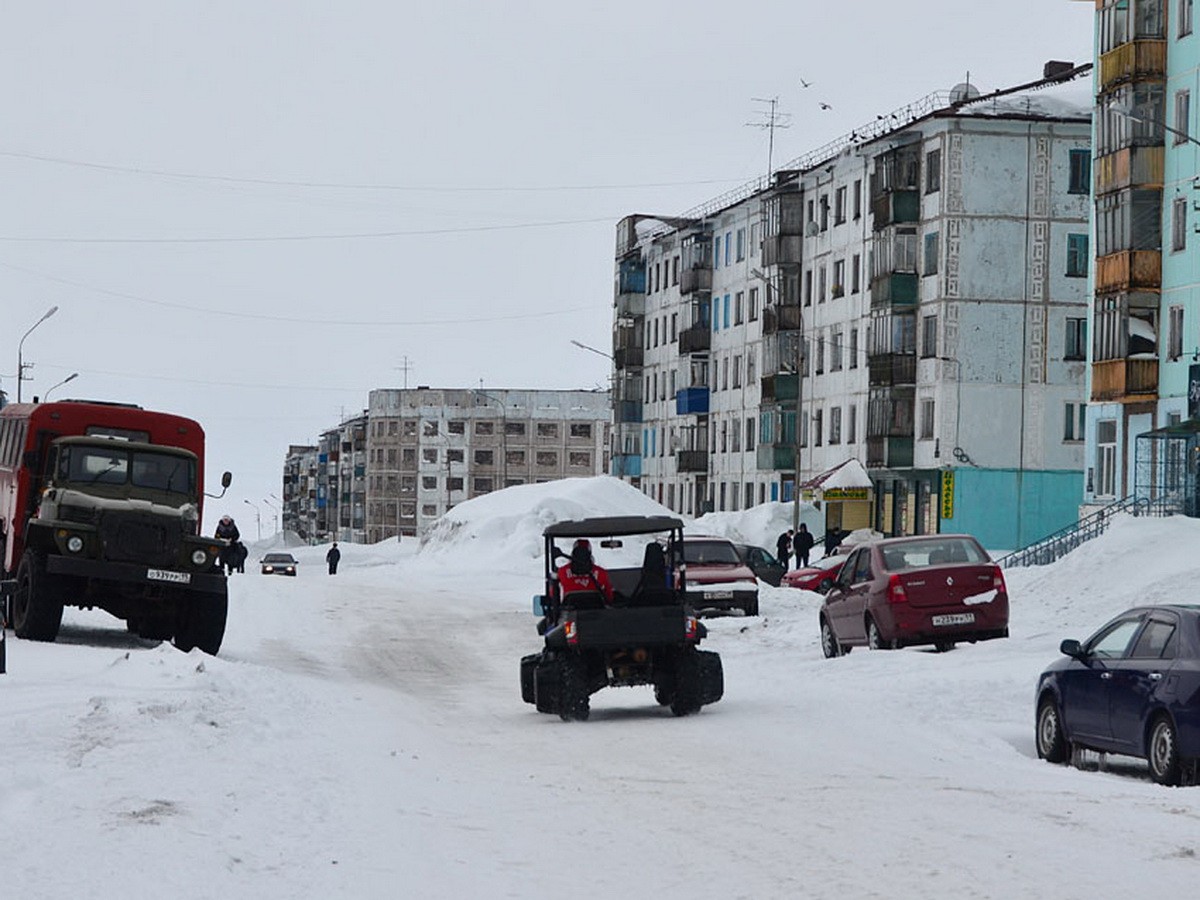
[(1142, 425), (912, 296)]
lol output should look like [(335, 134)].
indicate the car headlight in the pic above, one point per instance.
[(74, 543), (199, 557)]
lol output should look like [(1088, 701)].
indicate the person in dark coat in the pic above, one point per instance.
[(332, 558), (803, 544), (227, 529), (833, 537), (783, 547)]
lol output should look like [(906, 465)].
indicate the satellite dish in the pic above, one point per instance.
[(812, 229), (964, 90)]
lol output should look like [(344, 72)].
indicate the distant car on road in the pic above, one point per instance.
[(1132, 688), (760, 561), (279, 564), (718, 582), (930, 589), (818, 577)]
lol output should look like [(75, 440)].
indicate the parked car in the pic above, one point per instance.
[(818, 577), (718, 582), (760, 561), (279, 564), (900, 592), (1132, 688)]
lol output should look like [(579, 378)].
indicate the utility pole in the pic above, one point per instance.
[(772, 119)]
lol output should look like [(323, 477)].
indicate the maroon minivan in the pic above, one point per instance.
[(899, 592)]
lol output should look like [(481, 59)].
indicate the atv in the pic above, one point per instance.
[(646, 634)]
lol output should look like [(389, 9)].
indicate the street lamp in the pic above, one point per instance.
[(1125, 112), (70, 377), (583, 346), (257, 517), (274, 512), (20, 345)]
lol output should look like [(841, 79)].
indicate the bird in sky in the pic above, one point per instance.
[(824, 105), (805, 84)]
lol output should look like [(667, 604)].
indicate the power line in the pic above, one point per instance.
[(191, 307), (354, 186)]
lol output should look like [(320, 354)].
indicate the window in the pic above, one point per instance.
[(931, 253), (739, 307), (581, 429), (728, 247), (737, 371), (926, 420), (429, 429), (1081, 172), (850, 426), (514, 458), (429, 454), (754, 304), (1106, 458), (835, 425), (579, 459), (429, 509), (808, 287), (1183, 101), (839, 206), (933, 171), (717, 252), (855, 273), (1114, 642), (929, 336), (1076, 342), (408, 457), (822, 283), (429, 482), (857, 202), (741, 244), (1179, 223), (546, 458), (485, 457), (817, 433), (547, 429), (835, 349), (853, 348), (750, 433), (1077, 255), (1073, 421), (674, 327), (454, 454), (839, 277), (725, 306), (824, 212), (1185, 17), (1175, 332), (485, 428), (482, 485), (820, 354)]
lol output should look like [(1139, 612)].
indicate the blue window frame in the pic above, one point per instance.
[(726, 311), (1077, 255), (717, 253)]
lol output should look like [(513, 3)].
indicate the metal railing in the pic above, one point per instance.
[(1057, 545)]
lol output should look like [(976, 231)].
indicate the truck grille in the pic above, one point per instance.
[(140, 539)]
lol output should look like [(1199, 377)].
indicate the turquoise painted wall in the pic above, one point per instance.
[(1007, 510)]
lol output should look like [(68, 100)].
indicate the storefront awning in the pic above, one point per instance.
[(848, 474)]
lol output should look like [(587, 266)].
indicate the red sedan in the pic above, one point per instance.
[(818, 577), (899, 592)]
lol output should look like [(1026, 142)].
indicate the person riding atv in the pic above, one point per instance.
[(631, 627)]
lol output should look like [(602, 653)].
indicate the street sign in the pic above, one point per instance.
[(947, 494)]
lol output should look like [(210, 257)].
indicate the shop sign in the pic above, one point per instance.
[(947, 494)]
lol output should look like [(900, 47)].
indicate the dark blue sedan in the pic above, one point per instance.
[(1132, 688)]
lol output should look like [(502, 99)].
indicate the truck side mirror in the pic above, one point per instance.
[(226, 479), (540, 606)]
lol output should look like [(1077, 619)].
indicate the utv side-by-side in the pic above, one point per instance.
[(647, 634)]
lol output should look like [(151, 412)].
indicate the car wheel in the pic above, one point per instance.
[(1051, 743), (1163, 752), (874, 639), (824, 586), (943, 646), (829, 643)]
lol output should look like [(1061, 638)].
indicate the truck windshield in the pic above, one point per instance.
[(141, 468)]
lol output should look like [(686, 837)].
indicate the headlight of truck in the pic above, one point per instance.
[(74, 543), (199, 557)]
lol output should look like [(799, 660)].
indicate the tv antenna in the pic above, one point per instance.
[(405, 367), (772, 118)]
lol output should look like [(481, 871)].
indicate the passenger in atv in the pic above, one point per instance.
[(582, 574)]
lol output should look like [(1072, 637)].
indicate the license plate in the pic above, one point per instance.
[(718, 595), (167, 575), (954, 619)]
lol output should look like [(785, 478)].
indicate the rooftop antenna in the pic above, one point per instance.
[(772, 119), (404, 367)]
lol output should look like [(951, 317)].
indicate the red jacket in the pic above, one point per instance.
[(598, 580)]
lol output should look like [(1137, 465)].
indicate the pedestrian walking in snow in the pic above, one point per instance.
[(332, 558)]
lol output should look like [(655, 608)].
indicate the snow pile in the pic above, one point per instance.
[(503, 530), (760, 525)]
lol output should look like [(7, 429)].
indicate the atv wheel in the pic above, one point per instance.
[(574, 690), (201, 622), (712, 677), (37, 602), (687, 684), (528, 667)]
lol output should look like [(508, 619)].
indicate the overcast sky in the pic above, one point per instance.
[(253, 213)]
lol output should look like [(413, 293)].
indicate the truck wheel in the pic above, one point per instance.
[(37, 602), (201, 622), (574, 690), (687, 684)]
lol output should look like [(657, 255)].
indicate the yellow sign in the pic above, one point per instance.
[(947, 495), (847, 493)]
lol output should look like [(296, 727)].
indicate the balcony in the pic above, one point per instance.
[(692, 401), (1125, 380), (1128, 270), (782, 249), (1129, 167), (691, 460), (896, 289), (631, 305), (1136, 60), (889, 452), (629, 357), (781, 318), (780, 387), (627, 411), (695, 339), (692, 280), (627, 465), (888, 369), (776, 457), (895, 207)]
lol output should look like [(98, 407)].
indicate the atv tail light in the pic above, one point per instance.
[(895, 590), (691, 628), (571, 632), (998, 581)]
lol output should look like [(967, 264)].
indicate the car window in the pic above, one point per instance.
[(862, 566), (710, 552), (1157, 641), (1113, 641)]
